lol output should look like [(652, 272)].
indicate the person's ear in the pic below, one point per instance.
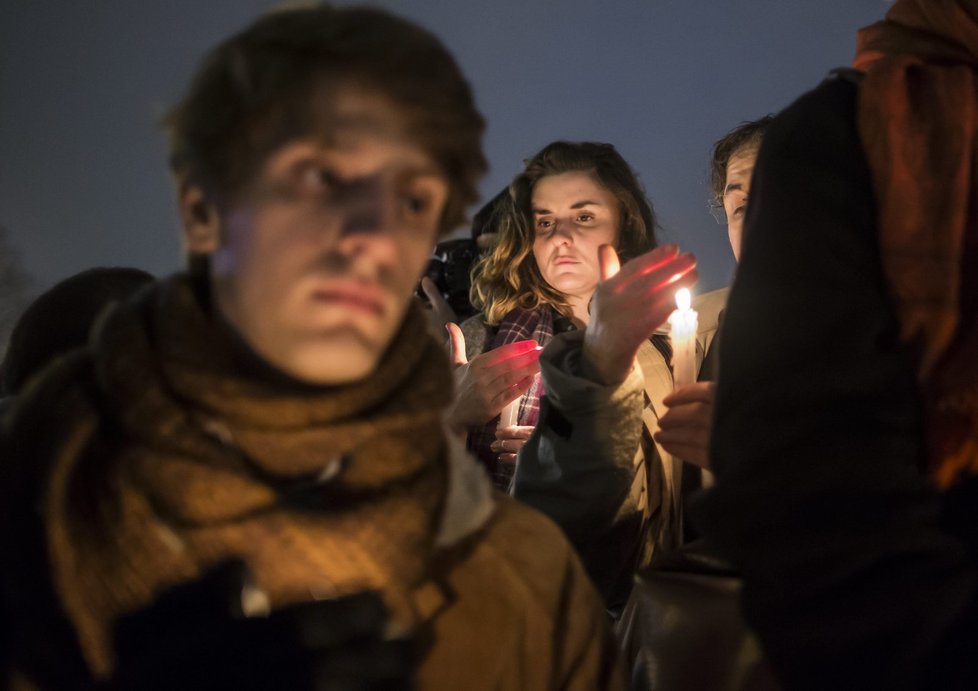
[(200, 219)]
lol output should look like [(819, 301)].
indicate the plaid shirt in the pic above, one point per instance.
[(519, 325)]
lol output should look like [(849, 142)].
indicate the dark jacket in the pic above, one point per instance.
[(858, 573)]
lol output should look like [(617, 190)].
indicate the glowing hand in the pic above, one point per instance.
[(629, 304), (490, 381)]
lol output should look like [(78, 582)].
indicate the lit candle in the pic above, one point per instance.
[(683, 337)]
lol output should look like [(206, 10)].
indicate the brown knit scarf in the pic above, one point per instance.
[(918, 121), (195, 455)]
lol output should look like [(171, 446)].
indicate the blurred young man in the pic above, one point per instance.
[(281, 402)]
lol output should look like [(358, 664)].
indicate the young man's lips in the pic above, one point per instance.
[(367, 297)]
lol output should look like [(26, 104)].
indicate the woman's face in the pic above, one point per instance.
[(573, 215)]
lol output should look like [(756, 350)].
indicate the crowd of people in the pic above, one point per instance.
[(292, 465)]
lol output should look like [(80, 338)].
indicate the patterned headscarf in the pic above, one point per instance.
[(918, 122)]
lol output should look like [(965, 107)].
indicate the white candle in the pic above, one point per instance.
[(683, 337), (510, 415)]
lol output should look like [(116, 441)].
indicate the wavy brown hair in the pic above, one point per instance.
[(508, 277)]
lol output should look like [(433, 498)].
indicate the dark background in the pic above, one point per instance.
[(83, 179)]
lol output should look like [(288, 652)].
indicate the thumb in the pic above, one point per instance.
[(608, 262), (456, 343)]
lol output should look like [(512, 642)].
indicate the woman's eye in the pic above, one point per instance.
[(585, 218), (544, 224)]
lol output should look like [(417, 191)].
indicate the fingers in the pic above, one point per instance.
[(651, 260), (507, 445), (509, 440), (699, 392), (496, 356), (507, 371), (696, 416), (515, 432), (608, 262), (456, 343), (511, 393), (439, 306), (511, 383), (657, 275), (657, 292), (690, 442), (656, 270)]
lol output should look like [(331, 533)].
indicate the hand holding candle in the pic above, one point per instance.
[(484, 385), (683, 337)]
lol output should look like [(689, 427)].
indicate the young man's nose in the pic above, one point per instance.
[(369, 205), (369, 214)]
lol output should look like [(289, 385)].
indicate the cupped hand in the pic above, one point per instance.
[(509, 440), (484, 385), (684, 431), (629, 304)]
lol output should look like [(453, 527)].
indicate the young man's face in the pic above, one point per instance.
[(318, 258), (740, 167)]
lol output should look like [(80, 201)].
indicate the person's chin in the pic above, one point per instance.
[(334, 367), (570, 284), (341, 356)]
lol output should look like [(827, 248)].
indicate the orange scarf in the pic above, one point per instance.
[(195, 457), (918, 121)]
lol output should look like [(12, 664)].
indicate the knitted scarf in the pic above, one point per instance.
[(918, 122), (196, 454)]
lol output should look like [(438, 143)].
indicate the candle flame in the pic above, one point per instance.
[(683, 299)]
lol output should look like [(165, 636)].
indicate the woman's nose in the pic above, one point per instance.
[(562, 234)]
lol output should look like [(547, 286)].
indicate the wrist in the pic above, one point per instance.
[(602, 367)]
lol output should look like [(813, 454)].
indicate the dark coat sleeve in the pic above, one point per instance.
[(850, 579), (584, 469)]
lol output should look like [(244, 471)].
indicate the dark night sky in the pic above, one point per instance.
[(83, 180)]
